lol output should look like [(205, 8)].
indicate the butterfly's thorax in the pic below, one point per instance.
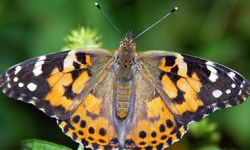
[(125, 62), (124, 76)]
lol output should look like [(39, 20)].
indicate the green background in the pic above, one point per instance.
[(212, 29)]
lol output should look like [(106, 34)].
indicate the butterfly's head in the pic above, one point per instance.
[(128, 44)]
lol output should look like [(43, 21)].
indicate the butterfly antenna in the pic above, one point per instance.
[(107, 17), (157, 22)]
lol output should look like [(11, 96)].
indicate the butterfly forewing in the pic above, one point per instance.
[(53, 82), (195, 86)]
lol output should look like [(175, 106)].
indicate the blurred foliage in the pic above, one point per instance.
[(215, 30), (206, 133), (82, 37)]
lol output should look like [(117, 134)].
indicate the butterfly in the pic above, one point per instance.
[(123, 99)]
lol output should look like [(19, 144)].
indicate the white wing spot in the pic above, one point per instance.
[(4, 91), (240, 92), (39, 63), (15, 79), (38, 68), (217, 93), (20, 98), (54, 116), (32, 87), (32, 102), (233, 85), (241, 86), (8, 78), (37, 71), (8, 85), (6, 74), (20, 84), (42, 58), (69, 60), (210, 63), (34, 98), (42, 109), (18, 69), (231, 75), (228, 91), (213, 75)]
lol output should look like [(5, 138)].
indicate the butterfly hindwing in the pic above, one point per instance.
[(154, 126), (92, 123), (53, 82), (194, 86)]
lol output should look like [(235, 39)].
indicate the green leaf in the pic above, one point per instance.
[(80, 147), (34, 144), (209, 148)]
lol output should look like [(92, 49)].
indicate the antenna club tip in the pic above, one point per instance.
[(174, 9), (97, 5)]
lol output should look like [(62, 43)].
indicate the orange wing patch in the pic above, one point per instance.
[(191, 101), (159, 130), (170, 63), (194, 82), (169, 87), (183, 93), (178, 86), (80, 82), (88, 127), (82, 60), (92, 104), (69, 81), (55, 96), (59, 83)]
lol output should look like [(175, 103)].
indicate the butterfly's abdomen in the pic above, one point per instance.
[(123, 92), (124, 78)]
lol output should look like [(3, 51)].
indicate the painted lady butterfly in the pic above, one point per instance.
[(124, 99)]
